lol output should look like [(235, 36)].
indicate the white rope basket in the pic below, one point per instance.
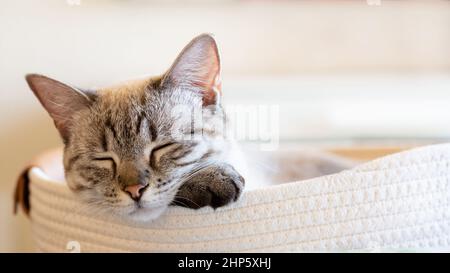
[(398, 202)]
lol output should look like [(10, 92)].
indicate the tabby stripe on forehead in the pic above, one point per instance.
[(104, 142), (109, 125), (153, 132), (139, 123)]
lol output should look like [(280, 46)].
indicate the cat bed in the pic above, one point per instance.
[(397, 202)]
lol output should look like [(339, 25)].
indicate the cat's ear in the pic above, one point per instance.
[(60, 100), (198, 65)]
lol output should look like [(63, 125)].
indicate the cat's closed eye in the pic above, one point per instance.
[(172, 151), (106, 162), (163, 146), (158, 151)]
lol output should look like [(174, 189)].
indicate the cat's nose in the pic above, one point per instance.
[(136, 190)]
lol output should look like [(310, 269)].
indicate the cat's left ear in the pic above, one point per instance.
[(198, 65)]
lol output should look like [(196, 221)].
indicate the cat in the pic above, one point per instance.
[(134, 149)]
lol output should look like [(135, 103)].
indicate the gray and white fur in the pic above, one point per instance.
[(134, 149)]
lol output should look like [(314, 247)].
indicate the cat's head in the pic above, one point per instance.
[(128, 148)]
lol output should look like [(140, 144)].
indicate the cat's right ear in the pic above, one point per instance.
[(60, 100)]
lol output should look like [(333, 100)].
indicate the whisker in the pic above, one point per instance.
[(187, 199)]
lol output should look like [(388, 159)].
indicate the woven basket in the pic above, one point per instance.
[(397, 202)]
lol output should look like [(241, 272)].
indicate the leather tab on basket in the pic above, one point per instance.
[(22, 192), (51, 163)]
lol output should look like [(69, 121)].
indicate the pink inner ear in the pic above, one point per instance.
[(211, 92), (208, 78), (199, 65)]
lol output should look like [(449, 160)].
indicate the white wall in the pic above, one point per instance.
[(100, 42)]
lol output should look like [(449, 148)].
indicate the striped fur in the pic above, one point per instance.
[(148, 130)]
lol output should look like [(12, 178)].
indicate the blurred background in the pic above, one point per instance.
[(342, 72)]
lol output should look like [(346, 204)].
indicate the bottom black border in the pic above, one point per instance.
[(231, 262)]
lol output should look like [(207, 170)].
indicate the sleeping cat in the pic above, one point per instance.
[(129, 152), (134, 149)]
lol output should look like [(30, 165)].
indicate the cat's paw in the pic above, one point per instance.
[(214, 186)]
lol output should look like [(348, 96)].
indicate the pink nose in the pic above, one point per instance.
[(135, 191)]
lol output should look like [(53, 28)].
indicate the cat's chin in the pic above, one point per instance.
[(146, 214)]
